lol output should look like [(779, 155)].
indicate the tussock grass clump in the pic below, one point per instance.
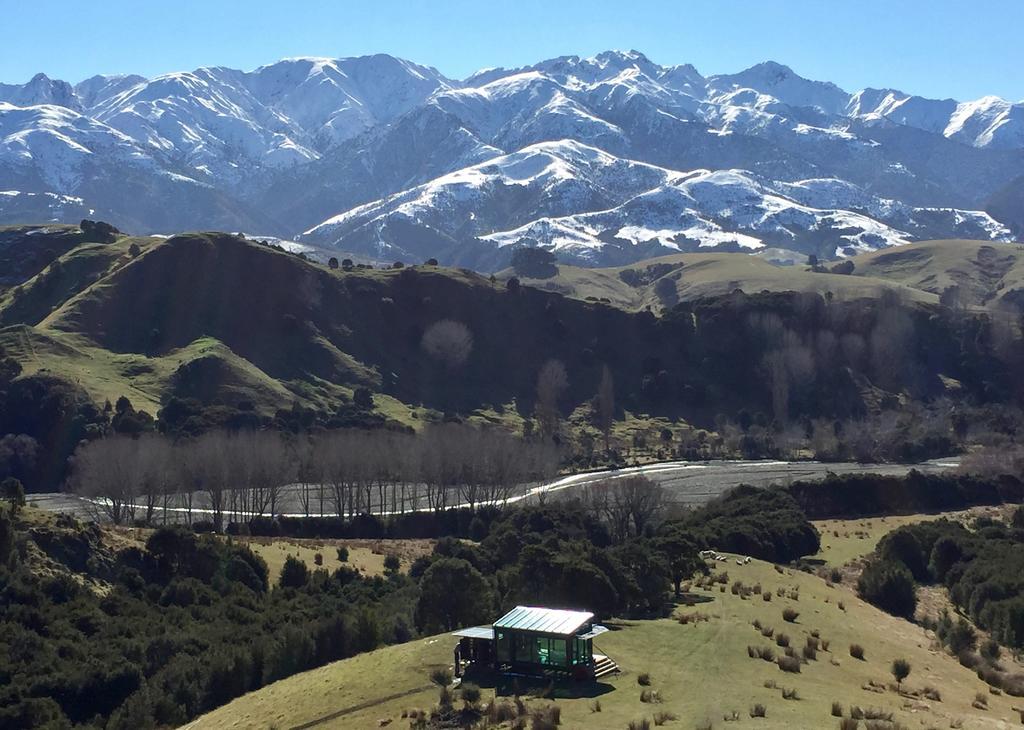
[(758, 710), (642, 724), (810, 653), (644, 679), (705, 725), (546, 718), (756, 623), (751, 651), (789, 615), (694, 617), (595, 706), (837, 709), (650, 697), (782, 640), (813, 642), (660, 718), (470, 693), (790, 694), (878, 714), (857, 651), (770, 684), (499, 712), (766, 596), (980, 701), (856, 713), (442, 677), (825, 644), (848, 724), (767, 632), (931, 693), (789, 664)]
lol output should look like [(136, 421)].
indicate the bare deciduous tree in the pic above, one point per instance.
[(109, 473), (552, 380), (604, 405), (629, 506), (448, 342)]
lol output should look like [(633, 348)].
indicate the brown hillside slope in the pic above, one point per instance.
[(988, 274), (698, 275)]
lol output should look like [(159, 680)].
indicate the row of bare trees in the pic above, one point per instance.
[(244, 474)]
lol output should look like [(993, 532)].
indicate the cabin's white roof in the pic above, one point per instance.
[(544, 620), (475, 632)]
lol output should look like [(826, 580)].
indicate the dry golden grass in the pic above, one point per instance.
[(366, 556), (701, 671)]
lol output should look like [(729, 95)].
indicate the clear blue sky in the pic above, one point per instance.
[(936, 48)]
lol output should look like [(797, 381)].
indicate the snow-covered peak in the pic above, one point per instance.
[(97, 89), (988, 122), (336, 99), (685, 78), (41, 89), (781, 82)]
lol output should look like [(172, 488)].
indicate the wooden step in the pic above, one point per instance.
[(603, 666)]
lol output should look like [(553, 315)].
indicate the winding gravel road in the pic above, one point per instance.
[(688, 482), (691, 482)]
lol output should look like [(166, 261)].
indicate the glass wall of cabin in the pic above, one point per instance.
[(518, 647)]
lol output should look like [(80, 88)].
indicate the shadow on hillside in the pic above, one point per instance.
[(513, 686), (692, 599)]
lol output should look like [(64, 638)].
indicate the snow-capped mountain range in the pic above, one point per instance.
[(604, 159)]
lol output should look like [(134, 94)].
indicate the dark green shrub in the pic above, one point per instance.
[(890, 587), (294, 573)]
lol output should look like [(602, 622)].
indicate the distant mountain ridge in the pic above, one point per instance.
[(389, 158)]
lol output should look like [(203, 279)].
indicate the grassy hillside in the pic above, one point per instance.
[(232, 323), (701, 670), (27, 250), (145, 380), (988, 274), (66, 277), (691, 276)]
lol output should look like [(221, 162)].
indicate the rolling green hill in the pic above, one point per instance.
[(987, 274), (701, 671), (662, 282), (214, 316), (234, 324)]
